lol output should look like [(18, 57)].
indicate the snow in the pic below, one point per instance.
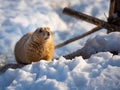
[(99, 72), (102, 43)]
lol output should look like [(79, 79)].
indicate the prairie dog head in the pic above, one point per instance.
[(42, 34)]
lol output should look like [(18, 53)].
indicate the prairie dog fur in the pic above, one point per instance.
[(34, 46)]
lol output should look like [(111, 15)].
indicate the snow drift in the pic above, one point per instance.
[(100, 72)]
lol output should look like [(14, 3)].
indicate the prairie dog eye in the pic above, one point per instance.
[(48, 34)]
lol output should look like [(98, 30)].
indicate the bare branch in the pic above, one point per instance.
[(117, 7), (78, 37), (111, 10), (90, 19)]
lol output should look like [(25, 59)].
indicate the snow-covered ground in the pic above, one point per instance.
[(99, 72)]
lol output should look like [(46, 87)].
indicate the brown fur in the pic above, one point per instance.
[(35, 46)]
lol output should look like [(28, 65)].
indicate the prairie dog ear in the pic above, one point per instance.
[(47, 28)]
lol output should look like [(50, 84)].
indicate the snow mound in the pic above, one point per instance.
[(100, 72), (105, 42), (102, 43)]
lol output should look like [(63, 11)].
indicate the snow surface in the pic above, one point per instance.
[(99, 72)]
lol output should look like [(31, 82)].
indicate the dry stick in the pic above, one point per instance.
[(111, 13), (111, 10), (114, 9), (89, 19), (78, 37), (117, 7)]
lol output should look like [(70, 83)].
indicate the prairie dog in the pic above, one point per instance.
[(35, 46)]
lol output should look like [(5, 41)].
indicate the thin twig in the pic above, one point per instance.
[(78, 37)]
